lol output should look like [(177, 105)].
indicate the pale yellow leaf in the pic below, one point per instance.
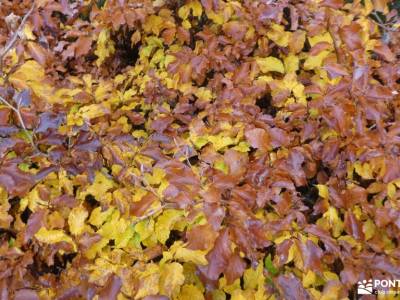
[(76, 220), (270, 64)]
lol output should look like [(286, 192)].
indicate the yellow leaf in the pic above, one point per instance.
[(98, 217), (242, 147), (139, 133), (193, 6), (105, 46), (95, 248), (330, 276), (53, 236), (195, 256), (291, 63), (364, 170), (153, 24), (184, 12), (278, 35), (315, 61), (327, 133), (204, 94), (216, 18), (29, 71), (171, 279), (30, 75), (218, 295), (332, 291), (323, 37), (190, 292), (391, 190), (221, 166), (199, 141), (220, 141), (197, 9), (239, 295), (145, 229), (122, 239), (270, 64), (100, 186), (157, 177), (165, 222), (33, 201), (229, 288), (76, 220), (92, 111), (254, 278), (369, 7), (323, 191), (28, 32), (369, 229), (334, 221), (114, 227), (148, 283), (309, 279)]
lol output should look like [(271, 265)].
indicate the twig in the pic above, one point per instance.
[(381, 23), (145, 184), (14, 37), (151, 213), (185, 151), (20, 119)]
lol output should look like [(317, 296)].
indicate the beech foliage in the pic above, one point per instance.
[(187, 149)]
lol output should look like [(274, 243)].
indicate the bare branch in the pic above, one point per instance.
[(21, 121), (8, 104), (151, 213), (145, 184), (381, 23), (14, 37), (185, 151)]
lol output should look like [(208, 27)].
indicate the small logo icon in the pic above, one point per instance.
[(365, 287)]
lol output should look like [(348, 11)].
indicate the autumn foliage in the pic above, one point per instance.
[(211, 149)]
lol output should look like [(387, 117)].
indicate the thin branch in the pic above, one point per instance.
[(8, 104), (145, 184), (14, 37), (381, 23), (185, 151), (21, 121), (151, 213)]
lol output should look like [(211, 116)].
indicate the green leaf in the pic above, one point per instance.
[(270, 266)]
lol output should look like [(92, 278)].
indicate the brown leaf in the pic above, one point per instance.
[(83, 45), (335, 70), (15, 181), (291, 288), (257, 138), (26, 294), (218, 257), (38, 53), (35, 222), (333, 3), (201, 237), (235, 268), (353, 226), (351, 35), (111, 289)]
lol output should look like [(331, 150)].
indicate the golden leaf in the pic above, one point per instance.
[(190, 292), (171, 279), (105, 46), (53, 236), (76, 220), (165, 222), (270, 64)]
